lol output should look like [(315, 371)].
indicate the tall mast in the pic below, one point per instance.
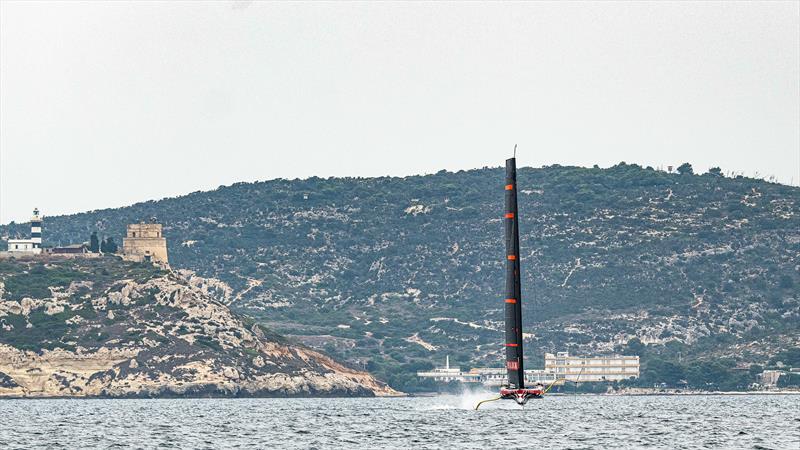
[(513, 301)]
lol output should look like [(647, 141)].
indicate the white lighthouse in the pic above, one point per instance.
[(32, 245), (36, 229)]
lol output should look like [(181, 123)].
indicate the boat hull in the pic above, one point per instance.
[(521, 396)]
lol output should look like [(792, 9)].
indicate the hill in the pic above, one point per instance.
[(107, 328), (395, 273)]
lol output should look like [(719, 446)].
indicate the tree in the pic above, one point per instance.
[(111, 245), (660, 371), (789, 357), (789, 380), (635, 347), (103, 246), (685, 169), (94, 243), (755, 370), (715, 172)]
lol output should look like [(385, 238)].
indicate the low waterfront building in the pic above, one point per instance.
[(488, 376), (447, 374), (591, 368), (499, 376), (560, 368)]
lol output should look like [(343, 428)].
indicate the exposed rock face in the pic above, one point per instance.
[(153, 334)]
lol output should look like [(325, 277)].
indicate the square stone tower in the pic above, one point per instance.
[(144, 242)]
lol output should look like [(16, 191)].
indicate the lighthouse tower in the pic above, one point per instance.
[(32, 245), (36, 229)]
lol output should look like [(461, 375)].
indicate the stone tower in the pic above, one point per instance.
[(144, 242)]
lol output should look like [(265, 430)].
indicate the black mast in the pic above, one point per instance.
[(516, 372)]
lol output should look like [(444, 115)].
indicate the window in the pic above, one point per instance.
[(134, 234)]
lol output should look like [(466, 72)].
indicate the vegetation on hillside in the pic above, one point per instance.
[(73, 279), (395, 273)]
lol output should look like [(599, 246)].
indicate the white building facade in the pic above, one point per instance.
[(491, 377), (591, 368), (447, 374)]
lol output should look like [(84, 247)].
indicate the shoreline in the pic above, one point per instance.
[(630, 394), (415, 395), (675, 394), (194, 397)]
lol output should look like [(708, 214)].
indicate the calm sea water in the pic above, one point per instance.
[(741, 421)]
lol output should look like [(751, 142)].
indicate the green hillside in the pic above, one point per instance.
[(395, 273)]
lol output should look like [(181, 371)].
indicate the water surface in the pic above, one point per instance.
[(725, 421)]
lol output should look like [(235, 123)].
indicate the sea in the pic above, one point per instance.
[(441, 422)]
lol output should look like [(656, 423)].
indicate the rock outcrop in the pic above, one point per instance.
[(116, 329)]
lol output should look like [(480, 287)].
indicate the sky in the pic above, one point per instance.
[(107, 104)]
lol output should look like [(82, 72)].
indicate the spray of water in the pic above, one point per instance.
[(466, 399)]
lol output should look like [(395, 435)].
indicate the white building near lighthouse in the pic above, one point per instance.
[(32, 245)]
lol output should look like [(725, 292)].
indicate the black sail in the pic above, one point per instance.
[(513, 301)]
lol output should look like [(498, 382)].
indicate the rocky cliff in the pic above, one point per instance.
[(108, 328)]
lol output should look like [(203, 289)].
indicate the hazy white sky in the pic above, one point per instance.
[(107, 104)]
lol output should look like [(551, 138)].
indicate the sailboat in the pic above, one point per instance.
[(515, 389)]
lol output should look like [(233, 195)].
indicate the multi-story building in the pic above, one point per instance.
[(591, 368)]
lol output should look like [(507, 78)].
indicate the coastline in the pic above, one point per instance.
[(632, 394), (678, 393), (192, 397)]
